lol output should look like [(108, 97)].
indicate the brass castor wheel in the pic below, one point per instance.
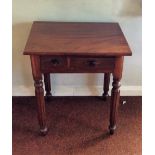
[(112, 130), (43, 132), (105, 96)]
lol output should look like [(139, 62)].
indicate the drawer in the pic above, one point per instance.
[(53, 64), (92, 64), (72, 64)]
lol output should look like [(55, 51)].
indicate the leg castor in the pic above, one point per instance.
[(44, 131), (112, 130)]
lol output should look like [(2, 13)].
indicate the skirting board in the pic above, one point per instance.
[(78, 91)]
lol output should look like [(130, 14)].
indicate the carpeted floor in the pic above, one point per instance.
[(77, 126)]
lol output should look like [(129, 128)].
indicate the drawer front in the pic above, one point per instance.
[(53, 64), (62, 64), (92, 64)]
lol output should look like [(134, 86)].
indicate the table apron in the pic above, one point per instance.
[(70, 64)]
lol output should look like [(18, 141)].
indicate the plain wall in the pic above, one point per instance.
[(126, 12)]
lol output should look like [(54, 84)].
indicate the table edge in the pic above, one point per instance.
[(76, 54)]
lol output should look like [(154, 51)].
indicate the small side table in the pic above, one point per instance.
[(74, 47)]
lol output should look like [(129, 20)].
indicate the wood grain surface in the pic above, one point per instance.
[(76, 38)]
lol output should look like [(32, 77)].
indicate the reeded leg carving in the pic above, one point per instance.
[(39, 92), (47, 86), (115, 95), (106, 86)]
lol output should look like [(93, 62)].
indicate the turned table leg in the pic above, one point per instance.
[(39, 92), (115, 93), (47, 82), (106, 86)]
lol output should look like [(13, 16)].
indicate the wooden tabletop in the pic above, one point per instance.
[(76, 38)]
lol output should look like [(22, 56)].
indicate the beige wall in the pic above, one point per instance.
[(126, 12)]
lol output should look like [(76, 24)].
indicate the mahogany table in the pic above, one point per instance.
[(76, 47)]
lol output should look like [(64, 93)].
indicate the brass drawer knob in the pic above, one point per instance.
[(55, 62), (91, 63)]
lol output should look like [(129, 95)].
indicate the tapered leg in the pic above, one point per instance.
[(39, 92), (106, 85), (47, 85), (115, 93)]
